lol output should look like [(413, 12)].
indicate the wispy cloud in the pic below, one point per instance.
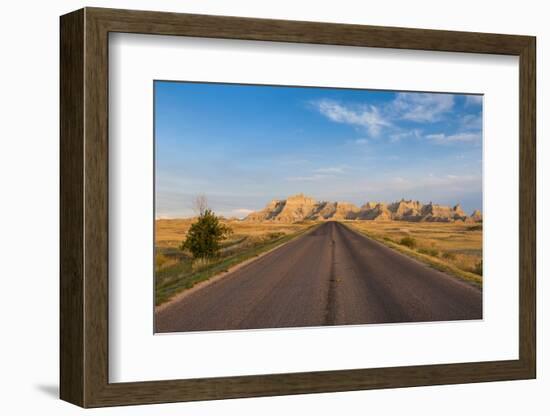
[(308, 178), (331, 169), (422, 107), (468, 131), (319, 174), (416, 107), (367, 116), (415, 133), (458, 137), (471, 122)]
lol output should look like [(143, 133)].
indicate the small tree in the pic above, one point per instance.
[(204, 236), (200, 204)]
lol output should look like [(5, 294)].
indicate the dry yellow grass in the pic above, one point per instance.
[(169, 233), (458, 245)]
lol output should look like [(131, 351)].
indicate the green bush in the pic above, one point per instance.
[(275, 235), (205, 235), (408, 241), (429, 251)]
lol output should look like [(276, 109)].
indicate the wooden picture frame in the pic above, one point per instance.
[(84, 207)]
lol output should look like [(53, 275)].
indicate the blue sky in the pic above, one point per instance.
[(243, 146)]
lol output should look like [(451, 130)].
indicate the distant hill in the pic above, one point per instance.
[(300, 207)]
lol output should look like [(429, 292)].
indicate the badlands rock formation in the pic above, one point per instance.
[(300, 207)]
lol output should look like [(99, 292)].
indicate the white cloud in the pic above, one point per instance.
[(309, 178), (422, 107), (415, 133), (465, 137), (438, 137), (330, 170), (417, 107), (367, 116), (318, 174), (472, 100), (238, 212), (471, 122)]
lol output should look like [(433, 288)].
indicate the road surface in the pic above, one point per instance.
[(330, 276)]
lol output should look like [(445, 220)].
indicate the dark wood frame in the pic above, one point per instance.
[(84, 207)]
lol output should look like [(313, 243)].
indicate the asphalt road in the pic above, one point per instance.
[(330, 276)]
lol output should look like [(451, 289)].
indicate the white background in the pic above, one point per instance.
[(29, 209), (136, 355)]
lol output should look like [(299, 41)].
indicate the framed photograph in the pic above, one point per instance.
[(254, 207)]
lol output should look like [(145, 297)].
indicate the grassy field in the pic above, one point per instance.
[(176, 270), (455, 248)]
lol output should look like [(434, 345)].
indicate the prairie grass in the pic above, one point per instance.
[(429, 251), (408, 242), (202, 263), (455, 248)]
